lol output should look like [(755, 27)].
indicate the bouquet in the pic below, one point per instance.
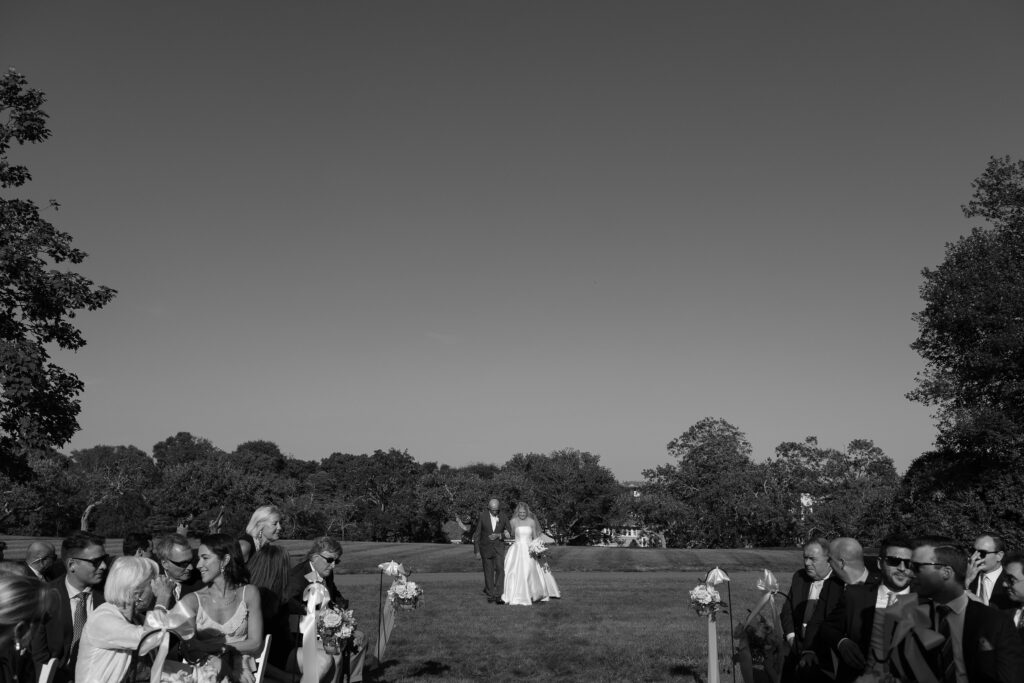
[(206, 673), (706, 600), (537, 548), (335, 626), (405, 594)]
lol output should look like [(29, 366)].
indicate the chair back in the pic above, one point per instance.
[(261, 660), (48, 671)]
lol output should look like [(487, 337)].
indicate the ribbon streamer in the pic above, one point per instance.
[(316, 594), (773, 667), (910, 623), (179, 621)]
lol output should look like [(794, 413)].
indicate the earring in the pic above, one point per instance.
[(259, 536)]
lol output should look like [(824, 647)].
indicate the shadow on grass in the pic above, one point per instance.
[(378, 674)]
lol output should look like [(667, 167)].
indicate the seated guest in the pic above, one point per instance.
[(139, 544), (40, 558), (1013, 579), (854, 629), (984, 644), (72, 600), (813, 593), (318, 567), (116, 627), (268, 567), (846, 557), (227, 614), (22, 601), (984, 572), (176, 560)]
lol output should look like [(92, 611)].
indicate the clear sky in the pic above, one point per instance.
[(475, 229)]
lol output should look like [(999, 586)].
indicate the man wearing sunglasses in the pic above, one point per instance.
[(984, 645), (177, 562), (854, 629), (1013, 578), (318, 567), (984, 572), (73, 597)]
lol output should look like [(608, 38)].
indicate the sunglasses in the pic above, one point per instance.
[(916, 566), (329, 560), (95, 562), (184, 564), (891, 561), (984, 553)]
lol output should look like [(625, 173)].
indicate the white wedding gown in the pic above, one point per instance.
[(526, 582)]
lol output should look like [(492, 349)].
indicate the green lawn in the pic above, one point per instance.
[(624, 615)]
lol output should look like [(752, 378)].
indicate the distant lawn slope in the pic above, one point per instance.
[(363, 557)]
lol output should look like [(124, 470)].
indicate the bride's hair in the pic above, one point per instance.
[(523, 506)]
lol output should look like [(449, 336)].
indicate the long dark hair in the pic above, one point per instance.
[(222, 545)]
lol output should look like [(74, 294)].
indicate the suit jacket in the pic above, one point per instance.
[(1000, 598), (484, 545), (853, 618), (993, 652), (54, 635), (297, 583)]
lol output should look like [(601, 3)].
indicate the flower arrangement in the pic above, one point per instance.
[(537, 548), (206, 673), (706, 600), (335, 626), (405, 594)]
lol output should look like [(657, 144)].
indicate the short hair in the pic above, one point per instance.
[(222, 545), (259, 516), (127, 577), (818, 541), (79, 540), (947, 552), (22, 598), (997, 541), (1013, 557), (895, 541), (166, 543), (323, 543), (135, 541)]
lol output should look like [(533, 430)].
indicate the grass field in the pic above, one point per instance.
[(625, 614)]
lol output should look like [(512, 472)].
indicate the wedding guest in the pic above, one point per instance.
[(984, 571), (854, 629), (115, 628), (40, 558), (177, 561), (318, 567), (22, 602), (72, 600), (813, 593), (983, 644), (1013, 578), (846, 557), (139, 544), (268, 567)]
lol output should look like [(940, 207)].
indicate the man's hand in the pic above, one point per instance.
[(808, 660), (973, 569), (851, 654), (494, 537)]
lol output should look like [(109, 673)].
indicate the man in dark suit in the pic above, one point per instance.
[(1013, 577), (177, 562), (489, 534), (984, 572), (40, 558), (318, 567), (982, 644), (71, 599), (813, 593), (854, 629)]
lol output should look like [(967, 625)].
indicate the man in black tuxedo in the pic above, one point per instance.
[(813, 593), (984, 648), (318, 567), (71, 599), (854, 629), (984, 572), (489, 534)]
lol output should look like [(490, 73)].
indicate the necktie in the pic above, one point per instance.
[(78, 619), (981, 589), (947, 663)]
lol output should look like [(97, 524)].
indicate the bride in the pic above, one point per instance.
[(526, 582)]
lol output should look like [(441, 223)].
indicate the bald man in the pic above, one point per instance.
[(846, 556), (40, 558), (492, 527)]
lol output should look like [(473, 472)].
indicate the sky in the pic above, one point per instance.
[(471, 229)]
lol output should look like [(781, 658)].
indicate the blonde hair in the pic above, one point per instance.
[(127, 578), (22, 598), (261, 515)]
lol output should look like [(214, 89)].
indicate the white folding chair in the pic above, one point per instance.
[(48, 671), (261, 659)]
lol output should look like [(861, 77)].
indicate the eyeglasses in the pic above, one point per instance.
[(328, 560), (916, 566), (891, 561), (184, 564), (94, 561)]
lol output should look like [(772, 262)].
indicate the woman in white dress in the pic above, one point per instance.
[(526, 582)]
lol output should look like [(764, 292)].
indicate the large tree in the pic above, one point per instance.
[(971, 330), (39, 297)]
